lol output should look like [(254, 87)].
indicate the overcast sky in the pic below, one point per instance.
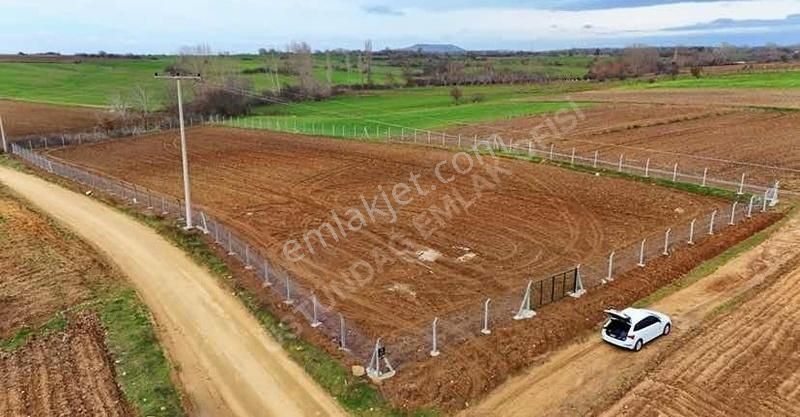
[(150, 26)]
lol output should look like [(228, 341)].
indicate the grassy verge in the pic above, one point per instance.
[(709, 267), (143, 371), (355, 395)]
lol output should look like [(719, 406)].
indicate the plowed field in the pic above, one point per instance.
[(21, 118), (728, 141), (743, 364), (506, 224), (67, 373), (45, 270)]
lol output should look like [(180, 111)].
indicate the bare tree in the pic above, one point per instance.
[(119, 106), (368, 60), (456, 94), (301, 61), (347, 66), (328, 69), (640, 60), (271, 64), (142, 98)]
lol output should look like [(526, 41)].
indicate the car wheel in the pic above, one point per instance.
[(638, 346), (667, 329)]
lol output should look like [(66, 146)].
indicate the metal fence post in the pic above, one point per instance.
[(485, 330), (525, 310), (230, 245), (578, 289), (610, 276), (675, 173), (288, 300), (647, 168), (666, 242), (750, 207), (247, 258), (342, 334), (316, 323), (267, 282), (691, 232), (596, 154), (572, 158), (641, 263), (621, 159), (741, 185), (711, 224), (552, 151), (434, 342), (733, 213)]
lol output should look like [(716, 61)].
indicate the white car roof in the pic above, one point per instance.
[(637, 314)]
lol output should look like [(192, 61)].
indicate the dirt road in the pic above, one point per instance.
[(227, 365), (588, 376)]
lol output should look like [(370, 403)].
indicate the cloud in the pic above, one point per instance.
[(733, 24), (383, 10), (557, 5), (578, 5)]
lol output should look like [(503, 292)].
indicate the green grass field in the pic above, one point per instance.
[(779, 80), (95, 82), (419, 108), (90, 83)]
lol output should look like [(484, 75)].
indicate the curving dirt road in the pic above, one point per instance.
[(588, 377), (226, 364)]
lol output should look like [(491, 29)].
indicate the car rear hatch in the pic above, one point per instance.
[(619, 324)]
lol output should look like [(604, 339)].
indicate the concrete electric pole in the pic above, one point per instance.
[(3, 135), (187, 193)]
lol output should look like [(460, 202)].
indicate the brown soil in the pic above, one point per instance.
[(453, 381), (240, 370), (760, 144), (22, 118), (743, 364), (63, 374), (45, 269), (729, 142), (592, 120), (588, 376), (271, 188), (699, 97)]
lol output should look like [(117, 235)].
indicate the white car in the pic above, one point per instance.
[(633, 327)]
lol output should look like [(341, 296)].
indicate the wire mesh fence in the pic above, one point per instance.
[(464, 321), (675, 172), (303, 301), (47, 141)]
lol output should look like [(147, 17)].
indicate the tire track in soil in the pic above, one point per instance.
[(68, 373), (584, 378), (743, 363)]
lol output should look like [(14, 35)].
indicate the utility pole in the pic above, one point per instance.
[(187, 194)]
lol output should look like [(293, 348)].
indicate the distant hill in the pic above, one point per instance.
[(427, 48)]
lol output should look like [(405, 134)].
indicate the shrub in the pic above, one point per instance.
[(477, 98), (456, 93)]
